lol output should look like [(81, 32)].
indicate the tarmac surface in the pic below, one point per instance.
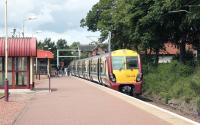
[(76, 102)]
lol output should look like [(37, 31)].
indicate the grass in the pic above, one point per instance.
[(173, 81)]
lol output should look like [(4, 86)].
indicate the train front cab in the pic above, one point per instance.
[(125, 72)]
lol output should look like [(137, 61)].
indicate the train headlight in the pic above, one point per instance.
[(139, 77), (112, 77)]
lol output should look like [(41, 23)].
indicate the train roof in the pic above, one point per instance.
[(124, 52), (121, 52)]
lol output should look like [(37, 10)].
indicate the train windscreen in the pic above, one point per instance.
[(118, 63), (131, 62)]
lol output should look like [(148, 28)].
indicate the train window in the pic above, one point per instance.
[(91, 66), (79, 67), (95, 68), (131, 62), (86, 66), (102, 67), (118, 62), (83, 66)]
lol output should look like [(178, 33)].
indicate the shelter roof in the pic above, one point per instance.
[(19, 47), (43, 54)]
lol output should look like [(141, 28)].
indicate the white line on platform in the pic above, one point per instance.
[(172, 118), (18, 91)]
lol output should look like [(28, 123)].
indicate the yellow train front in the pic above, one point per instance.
[(126, 71), (120, 70)]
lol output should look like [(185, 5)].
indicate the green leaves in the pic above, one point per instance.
[(146, 24)]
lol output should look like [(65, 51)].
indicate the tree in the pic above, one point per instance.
[(40, 45), (75, 45), (100, 18), (146, 24), (179, 25), (62, 44)]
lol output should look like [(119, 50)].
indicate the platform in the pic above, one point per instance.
[(76, 101)]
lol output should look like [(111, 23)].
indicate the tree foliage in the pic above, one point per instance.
[(146, 24), (53, 46)]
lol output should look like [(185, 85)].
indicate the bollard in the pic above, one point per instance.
[(49, 83), (32, 86), (6, 90), (39, 75)]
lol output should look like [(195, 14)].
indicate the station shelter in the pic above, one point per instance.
[(43, 59), (22, 53)]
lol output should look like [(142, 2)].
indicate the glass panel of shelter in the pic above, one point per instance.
[(17, 71), (1, 71), (21, 71)]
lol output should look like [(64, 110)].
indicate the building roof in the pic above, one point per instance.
[(43, 54), (169, 49), (19, 47)]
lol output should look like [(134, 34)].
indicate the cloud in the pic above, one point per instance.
[(71, 36), (53, 16)]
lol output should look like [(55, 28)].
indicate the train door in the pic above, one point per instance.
[(108, 65), (102, 70), (94, 69), (87, 69), (98, 70), (76, 68), (83, 69), (90, 69)]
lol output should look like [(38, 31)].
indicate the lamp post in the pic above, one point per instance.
[(6, 54), (27, 19)]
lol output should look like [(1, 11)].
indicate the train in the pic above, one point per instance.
[(120, 70)]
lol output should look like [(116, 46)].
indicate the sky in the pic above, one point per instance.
[(53, 19)]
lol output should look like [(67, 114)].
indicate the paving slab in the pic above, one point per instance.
[(10, 110), (75, 102)]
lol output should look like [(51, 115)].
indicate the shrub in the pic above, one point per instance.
[(173, 80), (198, 105), (166, 96)]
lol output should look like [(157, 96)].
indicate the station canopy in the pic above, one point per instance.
[(43, 54)]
